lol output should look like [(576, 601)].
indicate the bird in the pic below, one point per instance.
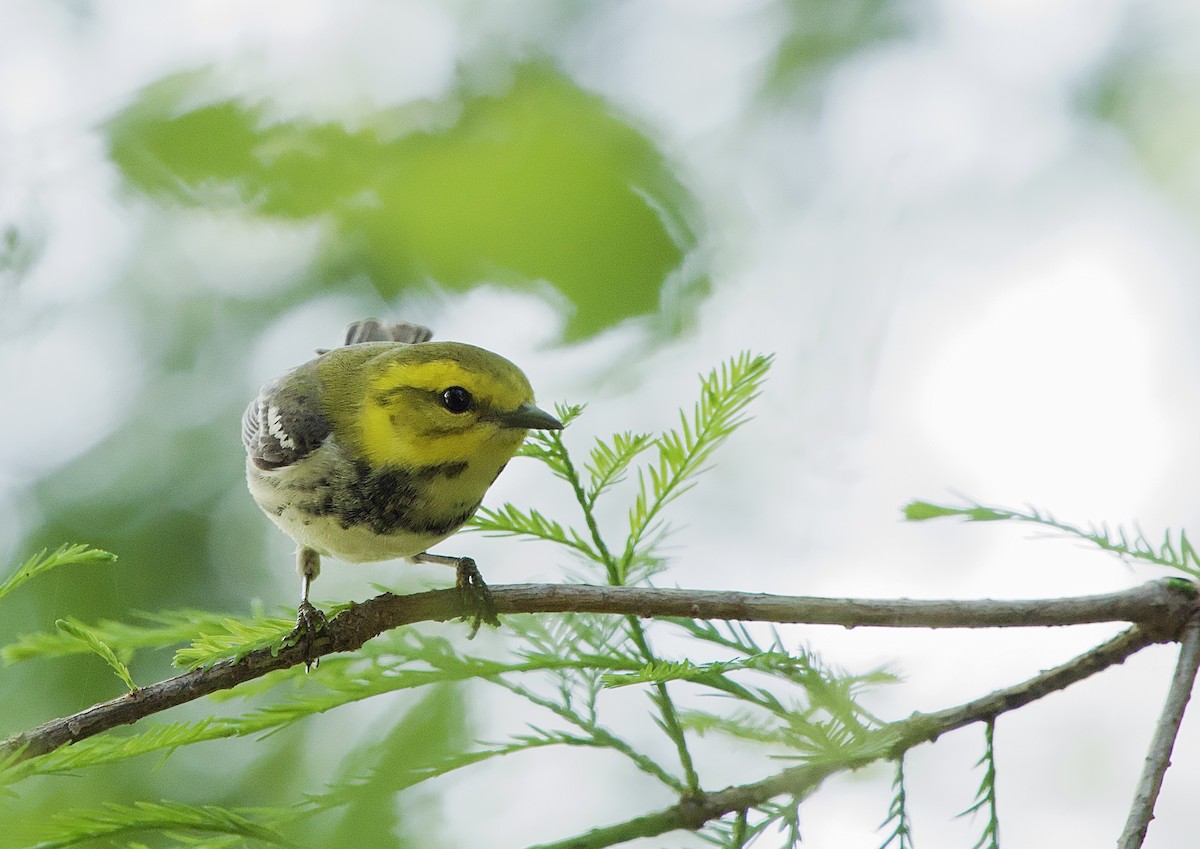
[(383, 447)]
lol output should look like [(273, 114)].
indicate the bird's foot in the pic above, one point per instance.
[(476, 595), (310, 621)]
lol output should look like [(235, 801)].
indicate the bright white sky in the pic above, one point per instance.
[(968, 289)]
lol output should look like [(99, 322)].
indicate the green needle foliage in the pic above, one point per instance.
[(567, 669), (900, 836), (985, 798), (41, 563), (1175, 551), (159, 630), (112, 822), (88, 637)]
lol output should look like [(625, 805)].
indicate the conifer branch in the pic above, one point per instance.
[(800, 781), (1160, 608)]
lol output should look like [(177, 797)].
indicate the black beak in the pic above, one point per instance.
[(529, 416)]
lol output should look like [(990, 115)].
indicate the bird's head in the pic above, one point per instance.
[(430, 404)]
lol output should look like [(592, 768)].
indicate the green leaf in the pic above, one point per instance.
[(663, 670), (815, 36), (540, 183), (898, 816), (512, 521), (919, 511), (113, 748), (610, 460), (237, 638), (985, 796), (159, 630), (1175, 551), (88, 638), (64, 555), (684, 452), (113, 821)]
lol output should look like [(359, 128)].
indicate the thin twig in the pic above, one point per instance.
[(1159, 756), (801, 781), (1161, 607)]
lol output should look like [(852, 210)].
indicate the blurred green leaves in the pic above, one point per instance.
[(538, 182), (818, 35), (1145, 90)]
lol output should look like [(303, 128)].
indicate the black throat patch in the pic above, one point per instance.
[(392, 500)]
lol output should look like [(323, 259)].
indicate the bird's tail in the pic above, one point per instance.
[(373, 330)]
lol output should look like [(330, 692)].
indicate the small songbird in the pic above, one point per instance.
[(384, 447)]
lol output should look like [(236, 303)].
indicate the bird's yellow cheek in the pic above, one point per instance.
[(383, 443)]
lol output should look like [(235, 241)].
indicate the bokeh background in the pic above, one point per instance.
[(966, 230)]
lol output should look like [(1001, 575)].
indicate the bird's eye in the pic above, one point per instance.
[(456, 399)]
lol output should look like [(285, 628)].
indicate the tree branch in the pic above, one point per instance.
[(1159, 756), (896, 737), (1160, 607)]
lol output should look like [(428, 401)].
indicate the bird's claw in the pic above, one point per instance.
[(310, 621), (476, 595)]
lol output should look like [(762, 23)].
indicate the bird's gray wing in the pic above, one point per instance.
[(284, 423)]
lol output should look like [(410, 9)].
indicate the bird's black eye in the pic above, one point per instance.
[(456, 399)]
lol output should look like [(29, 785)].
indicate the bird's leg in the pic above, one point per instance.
[(309, 620), (470, 584)]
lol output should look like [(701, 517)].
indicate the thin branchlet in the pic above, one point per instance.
[(1175, 551)]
